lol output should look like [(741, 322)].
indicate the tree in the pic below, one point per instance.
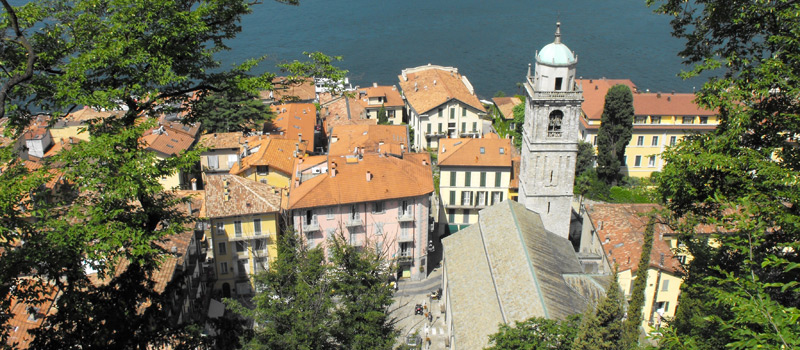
[(740, 178), (615, 133), (99, 206), (383, 118), (305, 302), (585, 159), (230, 110), (602, 330), (519, 121), (536, 333), (499, 93), (633, 323)]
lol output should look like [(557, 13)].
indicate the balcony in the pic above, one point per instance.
[(405, 257), (405, 237), (354, 221), (435, 134), (310, 227), (405, 217), (243, 236)]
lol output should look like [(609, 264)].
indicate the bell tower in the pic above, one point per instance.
[(550, 135)]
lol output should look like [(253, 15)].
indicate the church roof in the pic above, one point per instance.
[(508, 268), (556, 53)]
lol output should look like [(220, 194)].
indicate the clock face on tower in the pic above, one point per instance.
[(550, 135)]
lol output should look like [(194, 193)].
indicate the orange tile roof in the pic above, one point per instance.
[(392, 177), (245, 196), (222, 140), (294, 119), (428, 88), (167, 141), (621, 229), (87, 114), (64, 144), (677, 104), (368, 138), (390, 94), (286, 91), (21, 321), (506, 106), (467, 152), (341, 110), (275, 153)]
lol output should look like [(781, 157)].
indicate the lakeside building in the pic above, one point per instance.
[(620, 228), (222, 151), (474, 174), (244, 219), (367, 139), (294, 121), (660, 120), (377, 201), (505, 106), (440, 103), (375, 97), (270, 160)]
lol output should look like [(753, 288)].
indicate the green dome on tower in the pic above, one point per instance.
[(556, 53)]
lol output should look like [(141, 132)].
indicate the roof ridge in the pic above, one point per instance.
[(239, 179)]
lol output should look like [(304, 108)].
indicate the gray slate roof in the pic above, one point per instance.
[(508, 268)]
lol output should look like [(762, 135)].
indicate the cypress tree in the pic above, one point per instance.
[(615, 133), (631, 324), (602, 330)]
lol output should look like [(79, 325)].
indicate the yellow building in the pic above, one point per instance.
[(168, 140), (74, 124), (661, 120), (620, 228), (244, 222), (474, 174), (270, 161)]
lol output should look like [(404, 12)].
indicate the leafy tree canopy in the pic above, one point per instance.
[(536, 333), (615, 133)]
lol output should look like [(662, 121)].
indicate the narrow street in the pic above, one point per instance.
[(409, 294)]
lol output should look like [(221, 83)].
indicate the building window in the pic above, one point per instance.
[(474, 126), (241, 247), (483, 179), (637, 161), (559, 81), (453, 178), (261, 244), (655, 141), (502, 150), (452, 113), (640, 141), (329, 215), (257, 226), (497, 197), (467, 179), (482, 198), (220, 228), (232, 159), (665, 285), (405, 208), (498, 177), (237, 228), (262, 170), (262, 264), (465, 217), (429, 128), (451, 215), (554, 124), (652, 161), (703, 120), (213, 162), (624, 160), (464, 112), (466, 198), (440, 112), (483, 150), (463, 126), (655, 120), (310, 218), (223, 268), (452, 198), (640, 120), (672, 140), (688, 120), (241, 265), (594, 141), (377, 207), (354, 212), (405, 249), (378, 228), (440, 128), (222, 248)]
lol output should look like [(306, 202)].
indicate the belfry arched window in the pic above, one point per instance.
[(554, 124)]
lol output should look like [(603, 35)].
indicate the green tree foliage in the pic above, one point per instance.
[(632, 324), (305, 303), (602, 329), (585, 159), (615, 133), (499, 93), (740, 178), (383, 118), (536, 333), (519, 121), (103, 208), (231, 110)]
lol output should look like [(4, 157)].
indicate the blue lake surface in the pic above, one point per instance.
[(491, 42)]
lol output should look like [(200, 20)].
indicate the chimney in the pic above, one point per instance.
[(369, 176), (296, 149), (299, 137), (374, 84), (658, 95), (333, 172), (669, 99)]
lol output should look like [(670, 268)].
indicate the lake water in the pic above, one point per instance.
[(491, 42)]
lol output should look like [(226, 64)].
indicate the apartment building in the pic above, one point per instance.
[(375, 97), (474, 174), (440, 103), (270, 160)]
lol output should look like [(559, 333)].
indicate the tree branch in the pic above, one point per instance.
[(22, 77)]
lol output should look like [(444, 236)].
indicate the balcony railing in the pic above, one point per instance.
[(554, 134), (309, 227), (243, 236), (405, 237), (405, 256), (354, 221), (405, 217)]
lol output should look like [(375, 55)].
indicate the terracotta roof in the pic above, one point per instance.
[(275, 153), (467, 152), (244, 196), (620, 228), (341, 110), (294, 119), (222, 140), (187, 129), (390, 94), (64, 144), (595, 90), (285, 91), (167, 140), (87, 114), (368, 138), (21, 319), (427, 88), (391, 177), (506, 106)]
